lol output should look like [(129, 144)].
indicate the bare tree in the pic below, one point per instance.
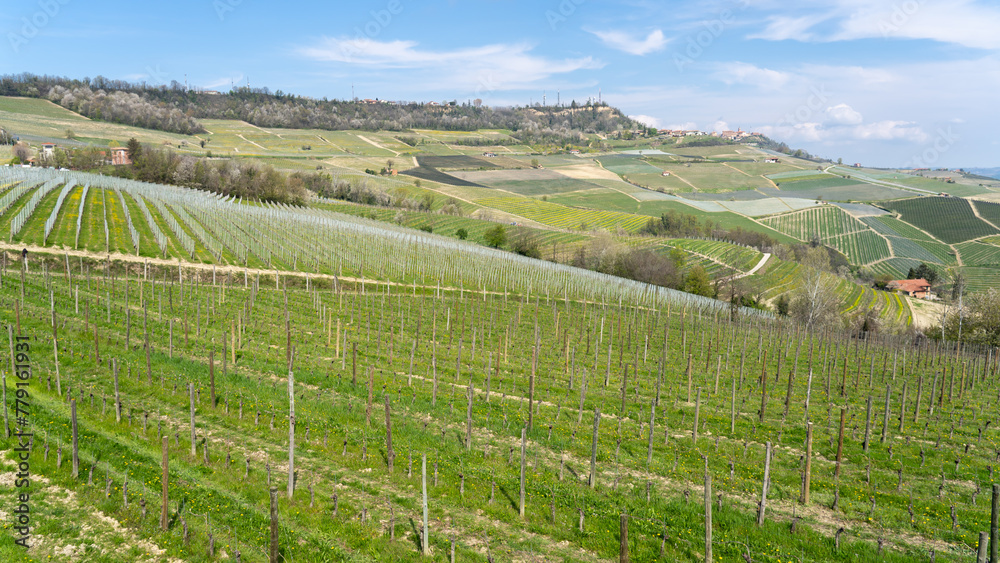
[(815, 300), (22, 152)]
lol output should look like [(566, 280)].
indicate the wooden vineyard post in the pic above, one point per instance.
[(840, 442), (981, 551), (424, 540), (274, 526), (390, 453), (732, 410), (193, 436), (145, 329), (211, 376), (531, 399), (764, 486), (652, 421), (708, 514), (118, 402), (868, 424), (76, 451), (593, 449), (697, 415), (885, 416), (468, 420), (524, 442), (55, 352), (164, 509), (994, 513), (763, 394), (291, 432), (690, 377), (623, 539), (807, 476)]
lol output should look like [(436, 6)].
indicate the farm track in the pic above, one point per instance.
[(376, 145)]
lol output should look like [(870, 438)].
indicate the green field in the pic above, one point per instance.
[(949, 219), (861, 247), (824, 222)]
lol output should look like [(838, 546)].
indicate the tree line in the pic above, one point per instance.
[(175, 108), (247, 179)]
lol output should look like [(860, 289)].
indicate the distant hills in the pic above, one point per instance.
[(988, 172)]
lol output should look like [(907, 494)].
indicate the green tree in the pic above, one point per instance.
[(534, 163), (495, 236), (781, 305), (134, 150), (923, 271), (697, 282), (462, 233)]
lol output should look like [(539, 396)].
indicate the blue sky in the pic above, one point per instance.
[(882, 82)]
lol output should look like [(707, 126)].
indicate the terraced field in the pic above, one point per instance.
[(824, 222), (979, 254), (563, 217), (862, 247), (949, 219)]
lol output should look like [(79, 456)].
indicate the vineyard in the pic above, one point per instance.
[(352, 398), (563, 217), (824, 222), (217, 379), (949, 219), (979, 254)]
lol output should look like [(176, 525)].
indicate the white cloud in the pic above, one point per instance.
[(781, 28), (970, 23), (686, 126), (889, 130), (815, 132), (483, 69), (622, 41), (753, 75), (647, 120), (843, 114), (720, 126)]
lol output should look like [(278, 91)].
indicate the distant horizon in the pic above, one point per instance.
[(880, 82)]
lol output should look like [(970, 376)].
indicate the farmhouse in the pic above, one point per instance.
[(772, 160), (48, 149), (490, 154), (918, 288), (119, 156)]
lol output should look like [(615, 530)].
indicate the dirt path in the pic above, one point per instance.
[(376, 145), (251, 142), (727, 165), (981, 218), (763, 260)]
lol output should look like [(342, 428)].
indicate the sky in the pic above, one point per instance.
[(892, 83)]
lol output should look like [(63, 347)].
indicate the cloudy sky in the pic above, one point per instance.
[(882, 82)]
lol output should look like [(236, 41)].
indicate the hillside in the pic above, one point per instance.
[(569, 198), (176, 109), (330, 376)]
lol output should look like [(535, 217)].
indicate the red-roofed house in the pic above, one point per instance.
[(918, 288), (119, 156)]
